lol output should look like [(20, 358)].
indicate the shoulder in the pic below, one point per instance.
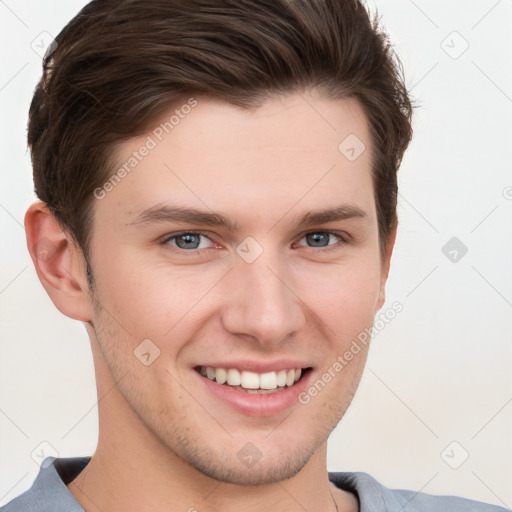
[(375, 497), (30, 501), (49, 492)]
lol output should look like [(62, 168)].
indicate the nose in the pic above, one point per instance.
[(262, 303)]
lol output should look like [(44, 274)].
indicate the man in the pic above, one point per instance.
[(217, 185)]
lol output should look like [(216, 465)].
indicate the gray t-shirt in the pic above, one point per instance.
[(50, 494)]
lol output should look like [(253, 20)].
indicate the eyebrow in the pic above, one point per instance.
[(185, 215), (332, 214), (165, 213)]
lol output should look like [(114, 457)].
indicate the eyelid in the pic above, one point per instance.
[(344, 238), (185, 232), (167, 238)]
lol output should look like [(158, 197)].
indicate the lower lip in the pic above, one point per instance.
[(257, 404)]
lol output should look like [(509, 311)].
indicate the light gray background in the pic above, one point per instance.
[(439, 372)]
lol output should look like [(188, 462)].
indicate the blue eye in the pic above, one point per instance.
[(188, 241), (321, 238)]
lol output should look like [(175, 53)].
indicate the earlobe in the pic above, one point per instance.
[(382, 297), (386, 262), (58, 261)]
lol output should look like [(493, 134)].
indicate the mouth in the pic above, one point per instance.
[(252, 382)]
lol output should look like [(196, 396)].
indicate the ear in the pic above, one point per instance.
[(385, 264), (59, 263)]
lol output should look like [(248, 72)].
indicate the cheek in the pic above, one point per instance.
[(150, 299), (344, 296), (153, 299)]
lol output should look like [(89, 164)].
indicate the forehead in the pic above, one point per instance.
[(299, 148)]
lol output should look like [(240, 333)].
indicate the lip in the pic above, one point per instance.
[(255, 405), (259, 366)]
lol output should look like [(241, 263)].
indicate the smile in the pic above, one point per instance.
[(252, 382)]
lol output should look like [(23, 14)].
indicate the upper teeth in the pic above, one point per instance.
[(252, 380)]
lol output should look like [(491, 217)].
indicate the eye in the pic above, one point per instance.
[(321, 239), (188, 241)]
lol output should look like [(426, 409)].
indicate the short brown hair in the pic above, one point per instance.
[(120, 64)]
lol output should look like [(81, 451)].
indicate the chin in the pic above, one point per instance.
[(251, 459), (230, 468)]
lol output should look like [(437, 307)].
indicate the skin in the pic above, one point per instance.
[(166, 443)]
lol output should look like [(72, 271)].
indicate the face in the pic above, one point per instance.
[(242, 245)]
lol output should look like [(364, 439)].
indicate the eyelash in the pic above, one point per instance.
[(167, 239), (343, 238)]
